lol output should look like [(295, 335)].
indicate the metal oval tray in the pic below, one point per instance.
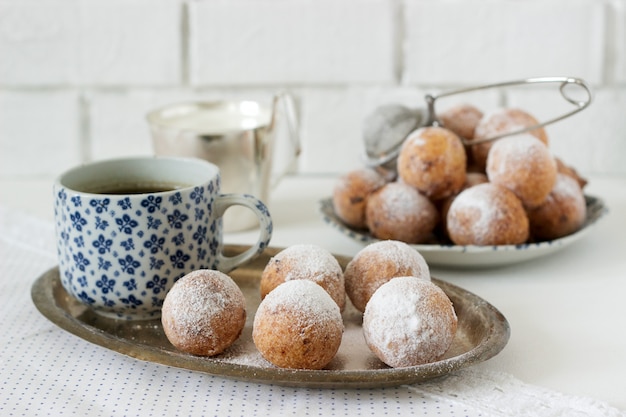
[(443, 253), (482, 332)]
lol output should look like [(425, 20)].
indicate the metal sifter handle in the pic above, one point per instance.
[(563, 81)]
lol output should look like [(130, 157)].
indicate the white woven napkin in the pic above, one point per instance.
[(46, 371)]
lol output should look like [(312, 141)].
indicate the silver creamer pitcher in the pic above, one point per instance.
[(239, 136)]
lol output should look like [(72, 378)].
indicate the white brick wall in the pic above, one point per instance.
[(101, 43), (40, 132), (278, 42), (483, 41), (77, 78)]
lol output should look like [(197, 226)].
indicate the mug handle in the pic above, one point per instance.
[(223, 202)]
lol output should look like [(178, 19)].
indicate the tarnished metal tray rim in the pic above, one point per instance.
[(483, 332)]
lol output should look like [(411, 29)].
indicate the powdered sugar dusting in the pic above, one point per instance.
[(363, 180), (376, 264), (567, 186), (313, 261), (478, 199), (423, 326), (306, 300), (393, 252), (519, 153), (416, 139), (244, 354), (524, 165), (503, 120), (401, 201), (197, 302), (298, 325), (368, 176)]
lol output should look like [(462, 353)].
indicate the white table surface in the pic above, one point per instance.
[(566, 310)]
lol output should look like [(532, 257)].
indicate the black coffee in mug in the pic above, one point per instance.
[(134, 188)]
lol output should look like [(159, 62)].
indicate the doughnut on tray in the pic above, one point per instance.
[(482, 333), (446, 254)]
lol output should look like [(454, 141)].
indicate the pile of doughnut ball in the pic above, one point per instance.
[(508, 191), (407, 319)]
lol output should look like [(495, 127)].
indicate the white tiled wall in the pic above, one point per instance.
[(77, 77), (304, 42), (482, 41)]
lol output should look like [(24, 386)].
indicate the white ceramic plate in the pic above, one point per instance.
[(446, 254)]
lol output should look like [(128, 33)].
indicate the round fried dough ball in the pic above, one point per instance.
[(204, 313), (409, 322), (433, 160), (472, 179), (562, 213), (351, 192), (376, 264), (298, 326), (309, 262), (462, 119), (487, 214), (563, 168), (499, 122), (524, 165), (398, 211)]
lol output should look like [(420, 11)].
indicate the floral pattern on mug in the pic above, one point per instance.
[(121, 253), (132, 240)]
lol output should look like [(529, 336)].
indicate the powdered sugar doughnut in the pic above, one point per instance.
[(376, 264), (433, 160), (398, 211), (524, 165), (298, 326), (309, 262), (563, 168), (462, 119), (409, 322), (472, 179), (204, 313), (499, 122), (487, 214), (562, 213), (351, 192)]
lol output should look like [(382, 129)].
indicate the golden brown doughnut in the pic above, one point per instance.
[(487, 214), (462, 119), (433, 160), (524, 165), (309, 262), (351, 192), (499, 122), (563, 168), (562, 213), (472, 179), (408, 322), (376, 264), (203, 313), (398, 211), (298, 326)]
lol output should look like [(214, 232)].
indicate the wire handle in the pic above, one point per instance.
[(564, 82)]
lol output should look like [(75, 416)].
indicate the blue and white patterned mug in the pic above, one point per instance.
[(127, 229)]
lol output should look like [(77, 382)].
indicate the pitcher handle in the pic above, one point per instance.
[(223, 202), (285, 100)]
